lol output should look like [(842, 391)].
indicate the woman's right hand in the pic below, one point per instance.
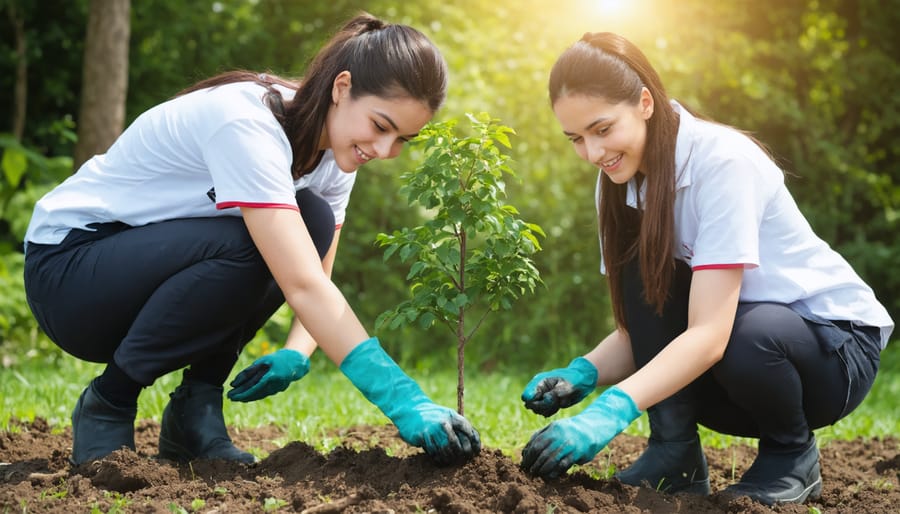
[(446, 436)]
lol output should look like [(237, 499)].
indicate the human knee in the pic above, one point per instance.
[(319, 220), (759, 332)]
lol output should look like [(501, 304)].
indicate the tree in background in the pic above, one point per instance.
[(104, 84), (20, 89)]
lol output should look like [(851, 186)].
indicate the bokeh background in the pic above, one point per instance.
[(816, 80)]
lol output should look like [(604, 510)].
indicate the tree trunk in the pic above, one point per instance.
[(104, 78), (461, 329), (20, 94)]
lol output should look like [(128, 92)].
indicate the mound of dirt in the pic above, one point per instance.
[(375, 472)]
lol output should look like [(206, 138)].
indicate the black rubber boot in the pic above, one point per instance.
[(99, 427), (193, 426), (673, 461), (779, 476)]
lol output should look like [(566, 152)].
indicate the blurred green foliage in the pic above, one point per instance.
[(25, 175), (813, 79)]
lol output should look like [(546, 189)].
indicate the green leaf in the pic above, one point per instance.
[(14, 164), (416, 268), (406, 251), (503, 139), (427, 320)]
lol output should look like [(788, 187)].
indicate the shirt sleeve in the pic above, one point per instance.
[(250, 164), (730, 199)]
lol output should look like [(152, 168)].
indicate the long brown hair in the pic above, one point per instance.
[(385, 60), (608, 66)]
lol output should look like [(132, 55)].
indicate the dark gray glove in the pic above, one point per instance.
[(552, 390)]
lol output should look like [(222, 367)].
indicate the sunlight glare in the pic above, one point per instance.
[(620, 16), (619, 12), (612, 7)]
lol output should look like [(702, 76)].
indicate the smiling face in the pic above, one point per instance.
[(610, 136), (369, 127)]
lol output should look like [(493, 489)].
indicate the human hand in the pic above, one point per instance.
[(576, 440), (445, 436), (268, 375), (552, 390)]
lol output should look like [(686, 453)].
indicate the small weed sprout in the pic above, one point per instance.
[(592, 471), (662, 485), (610, 470), (197, 504), (882, 484), (271, 504), (58, 492), (602, 472), (117, 504), (174, 508)]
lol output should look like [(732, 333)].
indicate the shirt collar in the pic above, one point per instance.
[(684, 143)]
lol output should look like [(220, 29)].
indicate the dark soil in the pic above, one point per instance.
[(859, 477)]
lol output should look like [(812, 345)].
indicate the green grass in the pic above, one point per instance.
[(325, 400)]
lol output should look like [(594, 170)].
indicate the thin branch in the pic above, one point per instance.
[(451, 325), (480, 321), (465, 183)]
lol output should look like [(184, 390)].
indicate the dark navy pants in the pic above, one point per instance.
[(159, 297), (783, 374)]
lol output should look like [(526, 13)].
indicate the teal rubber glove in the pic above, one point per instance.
[(445, 436), (552, 390), (268, 375), (576, 440)]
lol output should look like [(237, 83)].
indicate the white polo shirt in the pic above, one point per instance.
[(732, 209), (203, 154)]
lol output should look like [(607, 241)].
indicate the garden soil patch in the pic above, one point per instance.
[(374, 472)]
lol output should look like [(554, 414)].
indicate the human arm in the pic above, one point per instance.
[(711, 310), (299, 338), (576, 440), (273, 373), (286, 247)]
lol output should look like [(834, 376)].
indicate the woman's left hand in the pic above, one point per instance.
[(268, 375)]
